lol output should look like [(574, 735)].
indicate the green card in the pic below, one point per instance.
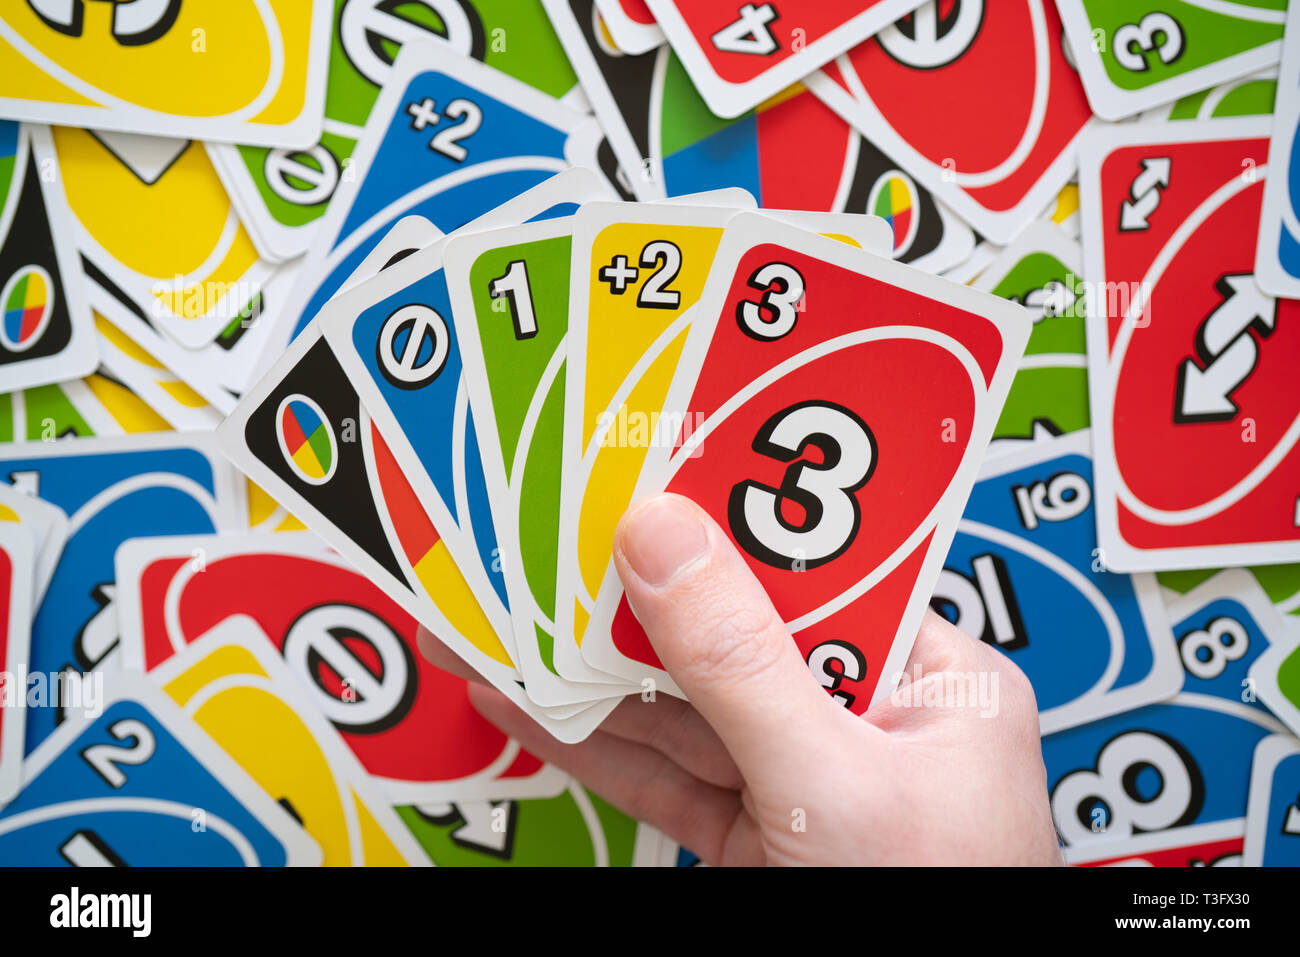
[(1135, 55), (1040, 270), (281, 194), (576, 829), (1250, 96), (1280, 582), (51, 412), (509, 291)]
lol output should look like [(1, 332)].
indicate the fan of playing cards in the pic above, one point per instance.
[(324, 321)]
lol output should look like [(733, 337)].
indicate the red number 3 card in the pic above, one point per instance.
[(1191, 366), (839, 405), (739, 54)]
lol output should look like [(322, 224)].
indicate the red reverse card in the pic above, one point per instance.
[(1191, 366)]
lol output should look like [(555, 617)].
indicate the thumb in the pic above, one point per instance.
[(716, 632)]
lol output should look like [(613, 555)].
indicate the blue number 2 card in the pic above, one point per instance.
[(139, 784)]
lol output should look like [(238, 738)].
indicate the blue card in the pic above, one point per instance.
[(1181, 762), (1223, 626), (1024, 574), (141, 785), (395, 338), (449, 139), (1273, 818), (112, 490)]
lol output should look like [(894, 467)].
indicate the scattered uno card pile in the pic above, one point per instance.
[(990, 308)]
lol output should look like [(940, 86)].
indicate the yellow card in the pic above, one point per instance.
[(156, 221), (636, 270), (238, 71), (238, 690)]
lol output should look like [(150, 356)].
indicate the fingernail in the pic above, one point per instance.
[(662, 537)]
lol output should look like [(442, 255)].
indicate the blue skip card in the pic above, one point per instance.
[(1024, 573), (1181, 762), (112, 489), (449, 139), (141, 785)]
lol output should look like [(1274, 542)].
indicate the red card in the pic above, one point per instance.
[(1192, 367), (976, 101), (739, 54), (410, 723)]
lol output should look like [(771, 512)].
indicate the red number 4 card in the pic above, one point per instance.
[(739, 54), (1191, 366), (839, 405)]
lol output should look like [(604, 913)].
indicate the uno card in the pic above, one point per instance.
[(1042, 270), (448, 139), (1223, 627), (1277, 258), (48, 526), (237, 689), (1201, 845), (1189, 363), (302, 434), (1273, 819), (739, 56), (574, 829), (282, 193), (139, 784), (78, 407), (17, 558), (45, 330), (514, 368), (1275, 675), (350, 646), (136, 370), (796, 418), (1253, 95), (112, 490), (920, 89), (238, 72), (1180, 762), (631, 25), (1132, 56), (1023, 575), (189, 275)]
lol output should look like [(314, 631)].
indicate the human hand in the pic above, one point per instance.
[(763, 766)]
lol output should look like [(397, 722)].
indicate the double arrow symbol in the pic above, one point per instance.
[(1144, 195), (1227, 350)]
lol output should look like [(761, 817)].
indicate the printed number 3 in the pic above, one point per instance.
[(1135, 40), (824, 492), (783, 287)]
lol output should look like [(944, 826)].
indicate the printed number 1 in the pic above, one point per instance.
[(515, 289)]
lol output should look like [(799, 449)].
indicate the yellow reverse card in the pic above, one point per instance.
[(157, 223), (238, 690), (238, 71)]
